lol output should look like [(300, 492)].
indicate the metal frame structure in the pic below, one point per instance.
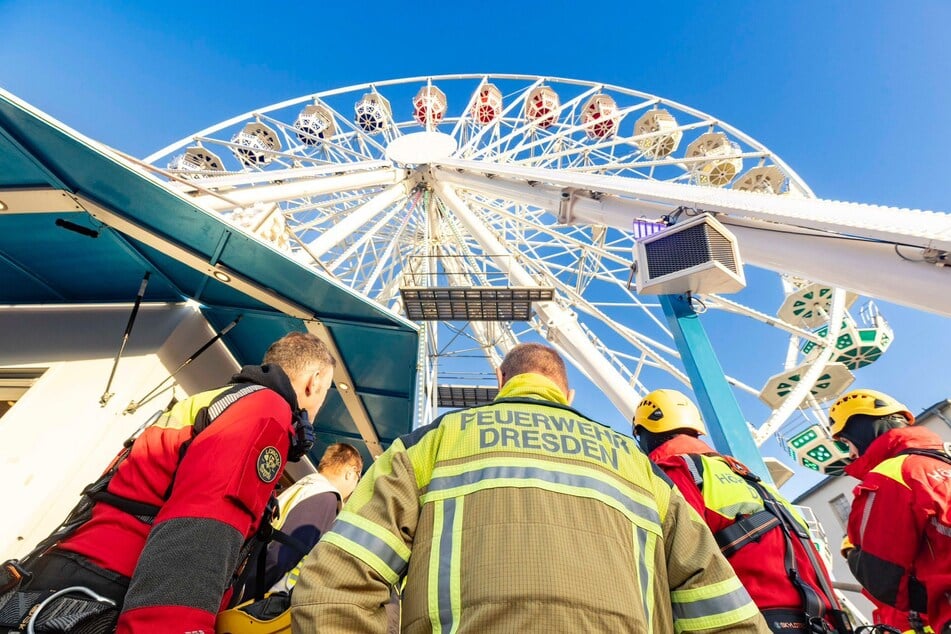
[(523, 204)]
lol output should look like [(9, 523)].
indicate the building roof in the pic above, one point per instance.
[(81, 224)]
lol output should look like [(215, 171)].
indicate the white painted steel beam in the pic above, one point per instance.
[(317, 186), (358, 217), (867, 267), (563, 327), (926, 229), (237, 179)]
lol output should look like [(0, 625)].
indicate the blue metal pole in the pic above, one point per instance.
[(721, 412)]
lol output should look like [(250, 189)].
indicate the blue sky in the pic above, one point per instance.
[(854, 96)]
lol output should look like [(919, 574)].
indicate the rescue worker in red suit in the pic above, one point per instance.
[(900, 523), (172, 573), (667, 425)]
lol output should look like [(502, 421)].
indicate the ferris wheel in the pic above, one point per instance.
[(433, 197)]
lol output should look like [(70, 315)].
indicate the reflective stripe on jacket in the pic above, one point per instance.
[(519, 515), (760, 565)]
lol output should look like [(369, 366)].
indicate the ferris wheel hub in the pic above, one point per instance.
[(421, 148)]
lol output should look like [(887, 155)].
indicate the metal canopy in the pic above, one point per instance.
[(458, 396), (79, 224), (473, 303)]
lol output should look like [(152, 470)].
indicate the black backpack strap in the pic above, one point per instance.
[(745, 531), (943, 454)]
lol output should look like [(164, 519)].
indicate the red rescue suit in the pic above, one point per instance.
[(900, 524), (760, 565), (181, 566)]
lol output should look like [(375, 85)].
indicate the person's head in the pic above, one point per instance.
[(535, 358), (342, 464), (664, 414), (307, 362), (861, 416)]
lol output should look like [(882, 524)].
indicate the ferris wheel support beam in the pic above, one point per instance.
[(721, 412), (563, 327), (303, 188), (843, 255), (336, 234)]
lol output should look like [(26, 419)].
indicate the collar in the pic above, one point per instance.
[(318, 478), (535, 386), (889, 445), (270, 376), (680, 444)]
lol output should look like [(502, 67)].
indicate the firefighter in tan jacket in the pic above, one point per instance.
[(521, 515)]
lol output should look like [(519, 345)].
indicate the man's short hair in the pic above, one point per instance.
[(537, 358), (339, 456), (299, 352)]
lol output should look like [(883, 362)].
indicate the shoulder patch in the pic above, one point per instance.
[(269, 464)]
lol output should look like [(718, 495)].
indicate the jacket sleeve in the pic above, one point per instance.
[(220, 491), (885, 540), (345, 582), (705, 593)]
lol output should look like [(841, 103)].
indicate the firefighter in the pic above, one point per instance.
[(165, 537), (763, 539), (519, 515), (900, 523)]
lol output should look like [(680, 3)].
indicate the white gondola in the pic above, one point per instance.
[(429, 105), (724, 163), (766, 179), (372, 112), (256, 144), (659, 131), (196, 162), (488, 105), (600, 117), (314, 124), (541, 106)]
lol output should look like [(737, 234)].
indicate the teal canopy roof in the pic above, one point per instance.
[(80, 224)]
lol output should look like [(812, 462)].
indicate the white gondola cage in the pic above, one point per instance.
[(196, 162), (256, 144), (724, 163), (765, 179), (488, 105), (429, 106), (372, 112), (541, 107), (658, 132), (599, 116), (314, 124)]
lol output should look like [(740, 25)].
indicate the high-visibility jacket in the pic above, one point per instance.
[(182, 563), (307, 510), (725, 497), (900, 524), (520, 515)]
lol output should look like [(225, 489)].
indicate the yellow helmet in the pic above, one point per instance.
[(240, 620), (868, 402), (667, 410)]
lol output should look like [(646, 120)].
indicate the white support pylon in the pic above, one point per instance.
[(563, 328)]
